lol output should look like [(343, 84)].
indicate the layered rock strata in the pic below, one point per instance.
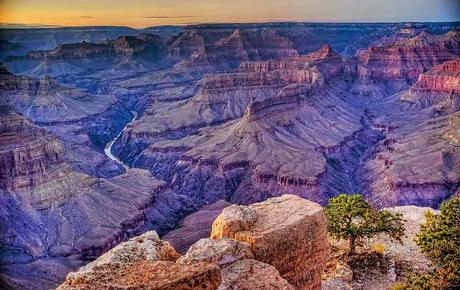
[(250, 154), (68, 218), (403, 60), (29, 156), (45, 101), (423, 130), (241, 45)]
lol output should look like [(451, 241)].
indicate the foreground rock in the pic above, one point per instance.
[(284, 240), (222, 252), (252, 274), (143, 262), (147, 247), (287, 232), (143, 275)]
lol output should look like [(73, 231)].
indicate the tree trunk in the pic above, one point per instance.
[(351, 245)]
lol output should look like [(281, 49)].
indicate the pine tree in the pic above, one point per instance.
[(351, 218)]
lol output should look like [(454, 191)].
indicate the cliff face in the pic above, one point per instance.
[(428, 121), (29, 156), (406, 59), (240, 46), (444, 78)]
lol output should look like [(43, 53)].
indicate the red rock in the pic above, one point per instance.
[(406, 59), (443, 78)]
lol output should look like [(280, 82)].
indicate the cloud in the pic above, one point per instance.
[(171, 17), (87, 17), (27, 25)]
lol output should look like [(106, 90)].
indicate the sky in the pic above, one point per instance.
[(144, 13)]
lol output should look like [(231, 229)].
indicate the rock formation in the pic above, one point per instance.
[(70, 217), (258, 262), (45, 101), (222, 252), (81, 120), (29, 156), (252, 274), (425, 132), (403, 60), (287, 232), (240, 46), (123, 53)]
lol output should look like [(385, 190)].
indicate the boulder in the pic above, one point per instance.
[(147, 247), (287, 232), (252, 274), (233, 219), (164, 275), (221, 252)]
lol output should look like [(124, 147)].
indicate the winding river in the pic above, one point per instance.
[(108, 147)]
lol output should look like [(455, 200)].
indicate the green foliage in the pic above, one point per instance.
[(351, 218), (417, 281), (439, 240)]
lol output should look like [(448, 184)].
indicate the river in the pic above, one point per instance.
[(108, 147)]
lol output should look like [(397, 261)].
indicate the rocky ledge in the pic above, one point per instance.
[(278, 244)]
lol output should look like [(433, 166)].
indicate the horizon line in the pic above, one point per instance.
[(6, 25)]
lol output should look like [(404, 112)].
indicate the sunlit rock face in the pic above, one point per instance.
[(403, 60), (438, 88), (278, 244), (287, 232)]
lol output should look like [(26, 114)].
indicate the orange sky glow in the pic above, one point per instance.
[(143, 13)]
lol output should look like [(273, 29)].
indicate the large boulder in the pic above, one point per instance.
[(252, 274), (164, 275), (287, 232), (221, 252)]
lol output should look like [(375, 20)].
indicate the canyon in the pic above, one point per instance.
[(108, 135)]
